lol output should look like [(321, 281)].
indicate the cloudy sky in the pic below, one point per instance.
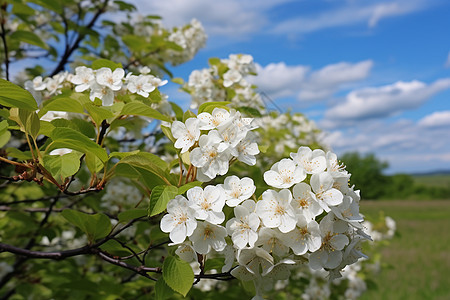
[(375, 75)]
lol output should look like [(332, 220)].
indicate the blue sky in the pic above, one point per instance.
[(374, 75)]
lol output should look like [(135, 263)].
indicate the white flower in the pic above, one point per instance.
[(243, 227), (237, 190), (52, 115), (247, 149), (60, 151), (186, 134), (83, 78), (207, 203), (252, 263), (312, 161), (305, 237), (140, 85), (284, 174), (330, 254), (276, 211), (303, 203), (179, 221), (110, 79), (214, 120), (104, 93), (230, 77), (324, 193), (186, 252), (271, 240), (348, 211), (211, 157), (207, 236), (334, 167)]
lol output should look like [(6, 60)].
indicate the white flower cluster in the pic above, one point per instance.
[(190, 37), (225, 81), (44, 88), (229, 136), (103, 83), (293, 129), (312, 215)]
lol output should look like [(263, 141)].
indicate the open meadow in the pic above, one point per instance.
[(418, 258)]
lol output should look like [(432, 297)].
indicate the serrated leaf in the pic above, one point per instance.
[(162, 290), (131, 214), (140, 109), (121, 155), (96, 226), (12, 95), (178, 275), (64, 137), (209, 106), (159, 198), (29, 38), (62, 166)]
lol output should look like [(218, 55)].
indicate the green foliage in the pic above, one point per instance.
[(178, 274), (13, 96), (161, 195), (96, 226)]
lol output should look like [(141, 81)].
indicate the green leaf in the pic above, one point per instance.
[(62, 166), (131, 214), (147, 167), (5, 135), (209, 106), (121, 155), (63, 104), (12, 95), (64, 137), (93, 163), (97, 113), (178, 80), (140, 109), (182, 189), (33, 125), (168, 133), (29, 38), (162, 290), (134, 42), (177, 110), (188, 114), (105, 63), (96, 226), (20, 155), (250, 111), (159, 198), (178, 275)]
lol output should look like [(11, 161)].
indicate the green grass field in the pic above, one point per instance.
[(419, 257), (439, 180)]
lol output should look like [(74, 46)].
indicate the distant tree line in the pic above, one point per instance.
[(367, 175)]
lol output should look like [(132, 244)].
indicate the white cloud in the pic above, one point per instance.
[(325, 82), (232, 18), (280, 80), (436, 119), (371, 13), (406, 145), (384, 101)]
